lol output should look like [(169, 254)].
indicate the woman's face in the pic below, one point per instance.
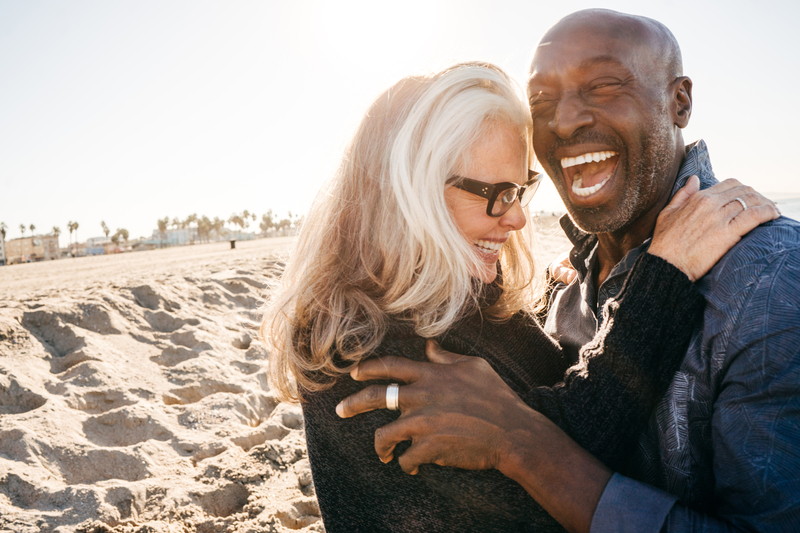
[(499, 156)]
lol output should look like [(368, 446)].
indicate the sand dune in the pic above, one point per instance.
[(133, 397)]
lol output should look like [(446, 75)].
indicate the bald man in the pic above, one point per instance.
[(722, 451)]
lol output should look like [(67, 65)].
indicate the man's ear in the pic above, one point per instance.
[(682, 101)]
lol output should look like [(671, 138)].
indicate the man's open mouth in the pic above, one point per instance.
[(589, 172)]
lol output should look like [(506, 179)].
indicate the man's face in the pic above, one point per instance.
[(601, 126)]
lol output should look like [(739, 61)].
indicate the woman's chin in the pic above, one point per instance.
[(488, 273)]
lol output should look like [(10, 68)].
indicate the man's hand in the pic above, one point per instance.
[(456, 410), (697, 228)]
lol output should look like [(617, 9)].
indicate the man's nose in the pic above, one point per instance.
[(570, 116)]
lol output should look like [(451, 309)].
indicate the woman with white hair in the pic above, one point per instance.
[(422, 235)]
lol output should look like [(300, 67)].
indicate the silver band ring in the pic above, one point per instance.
[(744, 205), (393, 396)]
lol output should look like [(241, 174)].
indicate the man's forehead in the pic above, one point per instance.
[(583, 40)]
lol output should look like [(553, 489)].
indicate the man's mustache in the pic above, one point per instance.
[(589, 137)]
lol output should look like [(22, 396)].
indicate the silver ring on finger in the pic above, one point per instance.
[(744, 205), (393, 396)]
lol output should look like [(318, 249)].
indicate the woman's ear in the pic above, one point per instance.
[(682, 101)]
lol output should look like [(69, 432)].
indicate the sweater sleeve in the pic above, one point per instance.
[(606, 398)]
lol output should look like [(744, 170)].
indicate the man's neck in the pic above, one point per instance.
[(613, 246)]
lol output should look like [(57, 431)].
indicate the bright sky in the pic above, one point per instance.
[(129, 111)]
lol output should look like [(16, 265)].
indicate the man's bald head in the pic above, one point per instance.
[(610, 87), (664, 53)]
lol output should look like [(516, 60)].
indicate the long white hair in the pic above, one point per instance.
[(380, 244)]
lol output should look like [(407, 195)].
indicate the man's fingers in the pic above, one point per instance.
[(437, 354), (369, 399), (389, 367), (390, 435)]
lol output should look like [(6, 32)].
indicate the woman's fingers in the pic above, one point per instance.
[(561, 269), (684, 193)]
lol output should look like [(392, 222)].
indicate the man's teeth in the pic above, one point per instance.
[(586, 191), (567, 162), (488, 247)]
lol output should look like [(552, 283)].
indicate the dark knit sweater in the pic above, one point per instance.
[(603, 403)]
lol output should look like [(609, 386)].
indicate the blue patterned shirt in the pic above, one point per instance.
[(722, 450)]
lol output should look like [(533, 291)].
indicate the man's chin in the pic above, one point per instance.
[(597, 219)]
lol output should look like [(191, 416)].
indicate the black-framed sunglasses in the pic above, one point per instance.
[(501, 196)]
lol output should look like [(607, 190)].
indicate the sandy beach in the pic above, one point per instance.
[(133, 395)]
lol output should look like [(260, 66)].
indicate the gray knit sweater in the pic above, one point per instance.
[(603, 403)]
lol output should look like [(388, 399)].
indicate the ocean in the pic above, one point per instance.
[(790, 207)]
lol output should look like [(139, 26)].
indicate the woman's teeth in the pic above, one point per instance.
[(488, 247), (593, 157), (586, 191)]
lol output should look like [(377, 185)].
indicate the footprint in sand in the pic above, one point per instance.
[(124, 427), (16, 399)]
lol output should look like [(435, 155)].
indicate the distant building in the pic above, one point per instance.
[(176, 237), (97, 245), (30, 249)]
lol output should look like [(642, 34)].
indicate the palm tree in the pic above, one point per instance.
[(267, 222), (22, 229), (73, 226), (204, 227), (105, 228), (56, 231), (71, 229), (33, 228), (162, 228), (3, 229), (218, 225)]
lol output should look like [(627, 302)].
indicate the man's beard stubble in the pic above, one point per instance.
[(644, 176)]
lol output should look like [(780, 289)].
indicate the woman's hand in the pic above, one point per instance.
[(561, 269), (697, 227)]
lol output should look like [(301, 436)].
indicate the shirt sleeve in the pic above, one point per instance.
[(606, 399), (645, 507)]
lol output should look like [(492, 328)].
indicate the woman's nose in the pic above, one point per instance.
[(514, 219)]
